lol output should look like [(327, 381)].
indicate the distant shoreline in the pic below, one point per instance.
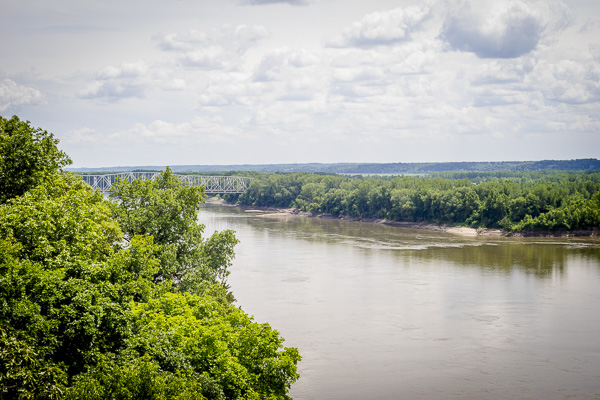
[(273, 212), (412, 168)]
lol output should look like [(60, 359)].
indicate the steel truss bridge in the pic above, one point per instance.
[(212, 184)]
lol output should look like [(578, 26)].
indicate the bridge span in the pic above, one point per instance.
[(212, 184)]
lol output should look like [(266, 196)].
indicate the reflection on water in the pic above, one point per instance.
[(540, 256), (381, 312)]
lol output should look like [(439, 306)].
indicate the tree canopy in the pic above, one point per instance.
[(123, 298), (27, 155), (514, 201)]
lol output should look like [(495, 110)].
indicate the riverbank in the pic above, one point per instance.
[(272, 212)]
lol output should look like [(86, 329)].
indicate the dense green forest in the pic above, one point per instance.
[(120, 298), (514, 201)]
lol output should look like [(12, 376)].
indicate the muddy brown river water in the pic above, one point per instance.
[(380, 312)]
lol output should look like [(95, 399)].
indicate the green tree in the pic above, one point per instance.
[(59, 305), (166, 209), (190, 332), (122, 378), (27, 156), (507, 199), (87, 311)]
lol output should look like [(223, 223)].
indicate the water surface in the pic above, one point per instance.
[(380, 312)]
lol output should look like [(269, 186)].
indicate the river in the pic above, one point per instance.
[(380, 312)]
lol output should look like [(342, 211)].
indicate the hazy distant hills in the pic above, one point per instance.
[(587, 164)]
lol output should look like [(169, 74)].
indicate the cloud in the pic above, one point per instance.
[(237, 38), (590, 25), (499, 97), (383, 76), (502, 29), (567, 81), (81, 135), (13, 95), (125, 70), (411, 58), (382, 28), (201, 129), (212, 57), (354, 82), (227, 89), (220, 48), (289, 75), (263, 2), (114, 83), (281, 75), (130, 80), (275, 62), (501, 72)]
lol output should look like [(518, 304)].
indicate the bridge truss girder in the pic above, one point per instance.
[(212, 184)]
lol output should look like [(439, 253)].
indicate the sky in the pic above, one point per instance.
[(177, 82)]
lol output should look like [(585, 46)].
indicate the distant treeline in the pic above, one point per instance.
[(589, 164), (515, 201)]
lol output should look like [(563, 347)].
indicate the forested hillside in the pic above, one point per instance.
[(588, 164), (122, 298), (515, 201)]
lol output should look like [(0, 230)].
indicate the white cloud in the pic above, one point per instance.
[(124, 71), (387, 75), (208, 129), (502, 29), (263, 2), (382, 28), (215, 49), (13, 95), (212, 57), (281, 75), (130, 80), (495, 97), (158, 131), (276, 62), (354, 82), (301, 88), (516, 69), (502, 72), (81, 135), (228, 89), (358, 74), (201, 129), (415, 59), (175, 84), (114, 83), (236, 38), (499, 30), (287, 121), (568, 81)]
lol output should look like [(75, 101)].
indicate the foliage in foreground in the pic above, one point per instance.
[(124, 299), (28, 155), (515, 201)]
